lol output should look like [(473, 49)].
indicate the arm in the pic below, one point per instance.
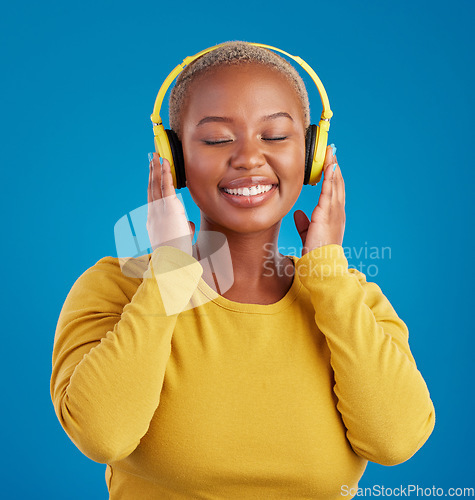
[(112, 344), (382, 397)]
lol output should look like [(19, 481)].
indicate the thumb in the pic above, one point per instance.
[(192, 228), (301, 223)]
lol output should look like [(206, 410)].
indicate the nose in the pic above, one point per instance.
[(247, 154)]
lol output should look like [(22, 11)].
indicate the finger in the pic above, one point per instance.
[(168, 189), (156, 178), (192, 228), (330, 160), (326, 193), (338, 195), (330, 156), (149, 188), (339, 186), (301, 223)]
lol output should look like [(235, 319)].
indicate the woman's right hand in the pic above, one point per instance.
[(166, 217)]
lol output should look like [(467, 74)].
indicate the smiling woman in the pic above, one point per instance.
[(256, 141), (283, 385)]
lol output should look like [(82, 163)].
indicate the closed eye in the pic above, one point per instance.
[(225, 141), (211, 143)]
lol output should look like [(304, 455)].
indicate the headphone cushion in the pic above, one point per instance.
[(178, 160), (310, 140)]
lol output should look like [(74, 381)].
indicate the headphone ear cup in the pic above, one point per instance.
[(316, 146), (178, 161), (310, 140), (320, 152)]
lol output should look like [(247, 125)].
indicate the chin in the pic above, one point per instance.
[(242, 225)]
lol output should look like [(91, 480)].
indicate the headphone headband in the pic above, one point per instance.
[(155, 117)]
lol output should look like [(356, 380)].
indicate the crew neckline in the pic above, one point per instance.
[(276, 307)]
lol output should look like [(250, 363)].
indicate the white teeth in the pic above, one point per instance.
[(251, 191)]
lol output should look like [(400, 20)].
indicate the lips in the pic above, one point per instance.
[(243, 201)]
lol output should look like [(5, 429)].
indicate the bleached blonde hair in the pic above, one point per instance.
[(232, 53)]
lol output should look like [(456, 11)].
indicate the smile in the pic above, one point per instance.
[(250, 191), (249, 197)]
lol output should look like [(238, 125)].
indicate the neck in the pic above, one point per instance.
[(254, 256)]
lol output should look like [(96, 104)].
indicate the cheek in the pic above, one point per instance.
[(292, 166), (200, 177), (200, 165)]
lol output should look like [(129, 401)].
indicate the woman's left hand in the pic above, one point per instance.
[(327, 224)]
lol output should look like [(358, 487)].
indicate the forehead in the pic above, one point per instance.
[(249, 85)]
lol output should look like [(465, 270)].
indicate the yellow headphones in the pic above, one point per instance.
[(168, 146)]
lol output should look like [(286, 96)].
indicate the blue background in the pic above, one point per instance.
[(77, 90)]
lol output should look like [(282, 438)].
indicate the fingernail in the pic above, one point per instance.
[(150, 157), (334, 167), (161, 160), (333, 149)]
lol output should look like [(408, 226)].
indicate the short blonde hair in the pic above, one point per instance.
[(232, 53)]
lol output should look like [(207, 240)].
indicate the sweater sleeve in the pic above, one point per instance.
[(111, 347), (382, 397)]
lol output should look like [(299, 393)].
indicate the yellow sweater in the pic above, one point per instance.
[(235, 401)]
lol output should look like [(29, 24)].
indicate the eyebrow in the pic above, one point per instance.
[(224, 119), (277, 115)]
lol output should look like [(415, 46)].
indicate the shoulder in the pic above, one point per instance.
[(109, 284), (334, 256)]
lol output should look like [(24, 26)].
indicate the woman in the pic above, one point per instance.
[(282, 386)]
